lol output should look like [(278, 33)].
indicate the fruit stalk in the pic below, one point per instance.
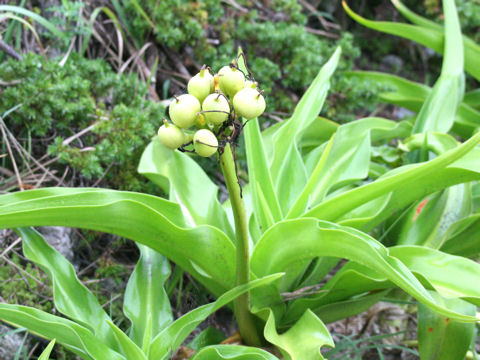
[(246, 323)]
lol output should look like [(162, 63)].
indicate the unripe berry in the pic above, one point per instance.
[(183, 110), (216, 109), (201, 85), (249, 103), (231, 80), (205, 143), (171, 136), (251, 84)]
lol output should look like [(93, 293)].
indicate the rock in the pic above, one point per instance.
[(391, 63), (10, 343), (61, 238)]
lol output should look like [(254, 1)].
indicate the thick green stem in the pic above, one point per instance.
[(245, 319)]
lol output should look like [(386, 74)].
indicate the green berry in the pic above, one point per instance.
[(183, 110), (250, 84), (216, 109), (205, 143), (171, 136), (249, 103), (201, 85), (231, 80)]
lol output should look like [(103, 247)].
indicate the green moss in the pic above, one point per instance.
[(59, 101)]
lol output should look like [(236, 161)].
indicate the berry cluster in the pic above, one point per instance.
[(213, 104)]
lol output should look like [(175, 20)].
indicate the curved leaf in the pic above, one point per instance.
[(146, 303), (303, 340), (233, 352), (129, 348), (45, 355), (440, 338), (205, 252), (73, 336), (186, 183), (310, 238), (71, 297), (172, 337), (462, 237)]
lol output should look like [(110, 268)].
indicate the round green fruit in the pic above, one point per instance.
[(201, 85), (231, 80), (183, 110), (249, 103), (205, 143), (216, 109), (250, 84), (171, 136)]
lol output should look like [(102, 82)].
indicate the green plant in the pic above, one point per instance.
[(113, 109), (313, 195)]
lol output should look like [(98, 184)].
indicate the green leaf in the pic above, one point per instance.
[(42, 21), (431, 37), (472, 98), (146, 303), (310, 238), (462, 237), (71, 297), (264, 197), (186, 183), (73, 336), (306, 111), (129, 348), (172, 337), (205, 251), (232, 352), (45, 355), (412, 96), (303, 340), (441, 338), (209, 336), (406, 183)]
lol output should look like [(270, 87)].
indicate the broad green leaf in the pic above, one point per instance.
[(462, 237), (172, 337), (129, 348), (186, 183), (232, 352), (205, 251), (441, 338), (303, 340), (406, 183), (472, 98), (209, 336), (264, 197), (71, 297), (73, 336), (431, 37), (146, 303), (306, 111), (346, 158), (439, 109), (45, 355), (310, 238), (412, 95), (317, 133)]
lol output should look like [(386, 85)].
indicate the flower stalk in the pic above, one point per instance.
[(246, 323)]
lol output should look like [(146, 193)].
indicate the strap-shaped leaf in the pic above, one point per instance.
[(407, 184), (462, 237), (173, 336), (45, 355), (73, 336), (129, 348), (232, 352), (146, 303), (205, 252), (310, 238), (441, 338), (264, 197), (428, 36), (305, 112), (412, 96), (71, 297), (186, 183)]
